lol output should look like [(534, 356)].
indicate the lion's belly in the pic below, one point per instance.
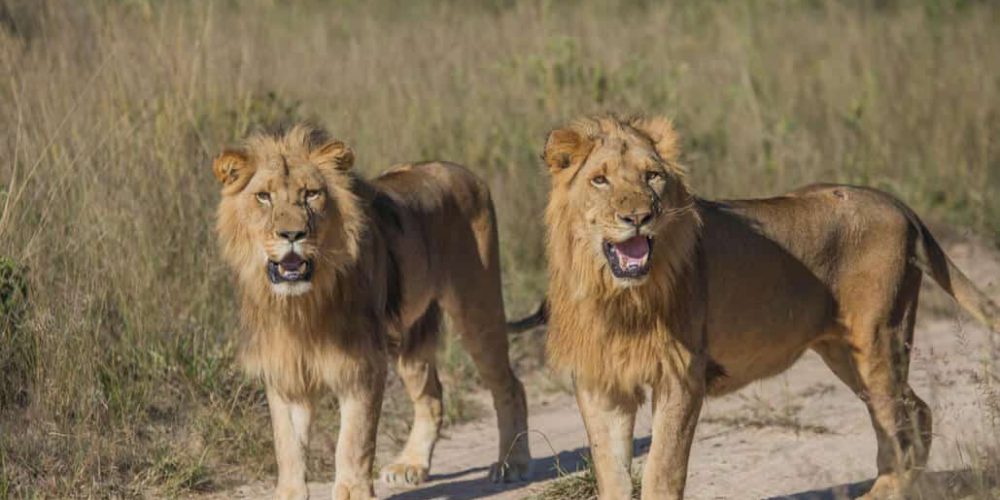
[(740, 367), (765, 305), (749, 355)]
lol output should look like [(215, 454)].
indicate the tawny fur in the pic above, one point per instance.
[(737, 291), (607, 335), (333, 333), (387, 256)]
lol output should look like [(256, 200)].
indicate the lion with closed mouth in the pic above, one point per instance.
[(335, 273), (652, 286)]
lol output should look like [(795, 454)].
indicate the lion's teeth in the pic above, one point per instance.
[(627, 262)]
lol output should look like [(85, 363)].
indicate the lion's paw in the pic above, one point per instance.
[(889, 487), (352, 492), (297, 492), (510, 471), (404, 474)]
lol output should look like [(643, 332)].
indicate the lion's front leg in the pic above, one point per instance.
[(359, 415), (290, 421), (676, 405), (610, 422)]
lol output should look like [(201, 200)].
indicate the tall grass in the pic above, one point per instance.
[(111, 112)]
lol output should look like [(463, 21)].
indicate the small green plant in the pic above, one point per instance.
[(13, 289), (17, 350)]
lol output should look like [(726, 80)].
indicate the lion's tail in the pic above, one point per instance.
[(932, 260), (536, 319)]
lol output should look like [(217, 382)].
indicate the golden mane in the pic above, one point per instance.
[(603, 333), (279, 332)]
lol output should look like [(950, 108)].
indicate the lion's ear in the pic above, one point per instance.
[(661, 133), (232, 168), (334, 153), (565, 148)]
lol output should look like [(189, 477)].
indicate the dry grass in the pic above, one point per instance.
[(123, 376), (581, 485)]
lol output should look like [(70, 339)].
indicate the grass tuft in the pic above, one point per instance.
[(580, 485)]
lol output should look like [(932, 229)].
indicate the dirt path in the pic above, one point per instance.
[(799, 435)]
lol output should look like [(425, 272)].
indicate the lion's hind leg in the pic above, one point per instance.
[(480, 325), (876, 371), (416, 367)]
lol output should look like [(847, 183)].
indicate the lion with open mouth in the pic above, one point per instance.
[(651, 286), (336, 273)]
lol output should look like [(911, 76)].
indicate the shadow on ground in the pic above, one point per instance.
[(937, 485), (478, 485), (934, 485)]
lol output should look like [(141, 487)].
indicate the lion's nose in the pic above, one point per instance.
[(637, 219), (292, 236)]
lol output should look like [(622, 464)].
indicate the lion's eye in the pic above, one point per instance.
[(653, 175), (264, 197), (600, 180), (312, 194)]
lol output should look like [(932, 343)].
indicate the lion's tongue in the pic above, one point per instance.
[(291, 262), (634, 248), (632, 253)]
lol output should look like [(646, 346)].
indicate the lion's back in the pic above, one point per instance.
[(435, 186)]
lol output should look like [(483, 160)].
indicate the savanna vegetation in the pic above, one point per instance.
[(117, 371)]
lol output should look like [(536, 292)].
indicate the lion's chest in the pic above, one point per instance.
[(621, 359), (298, 361)]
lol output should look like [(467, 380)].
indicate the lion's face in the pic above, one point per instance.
[(283, 201), (621, 188), (282, 205)]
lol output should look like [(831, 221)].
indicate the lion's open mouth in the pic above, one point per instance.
[(291, 268), (629, 258)]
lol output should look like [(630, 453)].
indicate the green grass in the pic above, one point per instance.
[(124, 380)]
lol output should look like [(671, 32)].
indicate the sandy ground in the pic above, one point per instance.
[(800, 435)]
